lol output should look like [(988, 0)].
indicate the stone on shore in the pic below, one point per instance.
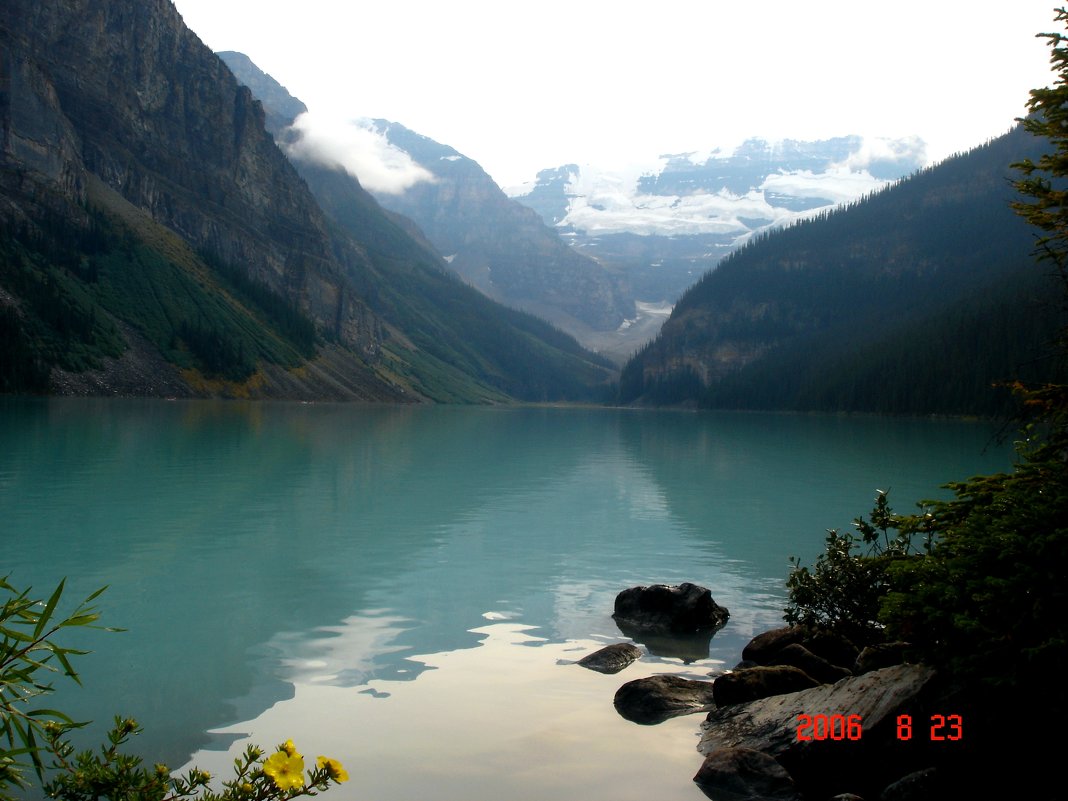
[(612, 658), (751, 684), (825, 766), (656, 698), (742, 774), (798, 656)]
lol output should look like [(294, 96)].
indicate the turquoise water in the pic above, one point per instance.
[(405, 589)]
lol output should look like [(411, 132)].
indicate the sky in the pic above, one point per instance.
[(520, 86)]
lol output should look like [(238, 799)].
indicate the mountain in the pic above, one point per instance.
[(664, 226), (497, 244), (494, 243), (913, 300), (154, 240)]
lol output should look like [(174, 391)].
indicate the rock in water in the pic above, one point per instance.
[(657, 698), (612, 658), (682, 608), (742, 774)]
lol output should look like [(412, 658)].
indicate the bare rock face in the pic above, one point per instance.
[(500, 246), (656, 698), (138, 101), (612, 658), (661, 607)]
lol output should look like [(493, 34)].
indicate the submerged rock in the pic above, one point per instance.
[(612, 658), (689, 646), (656, 698), (682, 608)]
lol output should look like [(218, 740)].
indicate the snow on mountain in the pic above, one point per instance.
[(727, 194)]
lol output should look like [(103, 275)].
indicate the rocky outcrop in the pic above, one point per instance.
[(765, 645), (878, 656), (612, 658), (742, 774), (656, 698), (500, 246), (798, 656), (750, 684), (681, 608), (861, 760), (823, 655), (137, 100), (133, 160)]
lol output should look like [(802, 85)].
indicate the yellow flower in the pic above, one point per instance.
[(287, 772), (289, 748), (334, 768)]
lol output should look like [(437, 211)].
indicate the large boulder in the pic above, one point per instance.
[(798, 656), (823, 765), (612, 658), (765, 648), (883, 655), (656, 698), (742, 774), (750, 684), (682, 608)]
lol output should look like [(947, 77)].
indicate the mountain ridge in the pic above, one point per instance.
[(933, 275), (150, 224)]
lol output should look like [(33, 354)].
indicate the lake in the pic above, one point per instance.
[(406, 589)]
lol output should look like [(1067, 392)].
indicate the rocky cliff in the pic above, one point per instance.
[(142, 197), (498, 245), (159, 119), (494, 243)]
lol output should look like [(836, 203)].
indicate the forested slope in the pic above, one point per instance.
[(914, 300)]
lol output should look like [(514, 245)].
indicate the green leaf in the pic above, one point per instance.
[(50, 607)]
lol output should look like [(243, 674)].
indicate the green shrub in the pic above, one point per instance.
[(33, 737), (849, 582)]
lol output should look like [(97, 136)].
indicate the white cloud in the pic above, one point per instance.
[(837, 185), (877, 148), (355, 147)]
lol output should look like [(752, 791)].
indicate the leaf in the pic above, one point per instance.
[(50, 607)]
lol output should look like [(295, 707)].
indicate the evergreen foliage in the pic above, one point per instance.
[(459, 334), (914, 300), (72, 278), (985, 597)]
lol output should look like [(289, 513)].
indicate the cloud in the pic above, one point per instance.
[(836, 185), (355, 147), (882, 156)]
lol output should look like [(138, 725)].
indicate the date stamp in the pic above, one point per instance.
[(851, 727)]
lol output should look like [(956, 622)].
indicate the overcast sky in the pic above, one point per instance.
[(520, 86)]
